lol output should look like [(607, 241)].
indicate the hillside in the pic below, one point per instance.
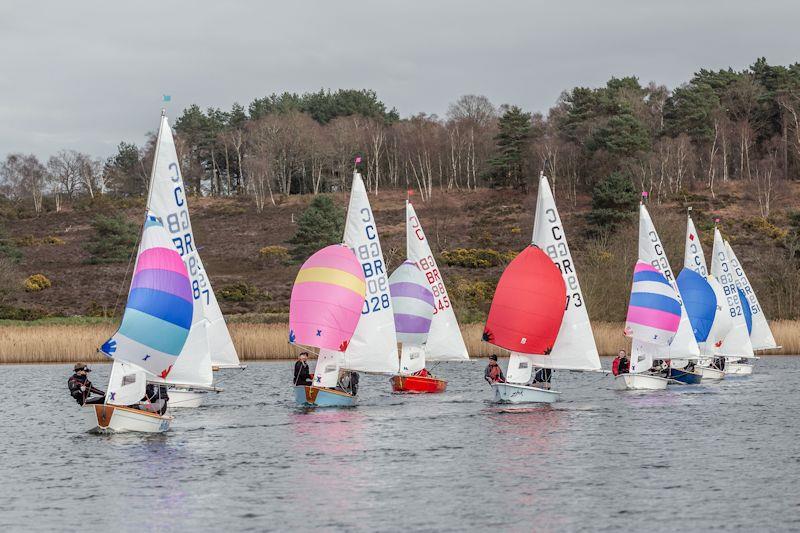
[(230, 233)]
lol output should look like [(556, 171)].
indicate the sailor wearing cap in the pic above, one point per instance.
[(81, 388)]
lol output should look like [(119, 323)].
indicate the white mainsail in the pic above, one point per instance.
[(445, 342), (694, 259), (737, 341), (168, 200), (373, 347), (684, 345), (761, 335), (574, 348)]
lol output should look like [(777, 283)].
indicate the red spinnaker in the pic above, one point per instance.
[(528, 305)]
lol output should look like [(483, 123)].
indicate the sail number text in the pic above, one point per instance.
[(431, 271), (181, 232), (371, 259), (559, 253)]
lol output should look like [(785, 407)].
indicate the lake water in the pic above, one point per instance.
[(716, 456)]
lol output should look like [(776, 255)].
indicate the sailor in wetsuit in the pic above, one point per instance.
[(302, 374), (155, 399), (81, 388), (348, 382)]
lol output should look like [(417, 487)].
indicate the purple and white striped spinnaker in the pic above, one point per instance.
[(412, 302)]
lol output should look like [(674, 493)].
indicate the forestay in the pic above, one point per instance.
[(445, 342), (737, 341), (761, 335), (373, 347), (167, 199), (684, 345), (158, 313)]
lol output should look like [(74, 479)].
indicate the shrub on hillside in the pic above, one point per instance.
[(113, 241), (614, 201), (20, 313), (274, 254), (321, 224), (36, 283), (476, 257), (762, 226), (240, 292)]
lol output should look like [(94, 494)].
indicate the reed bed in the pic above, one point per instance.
[(63, 343)]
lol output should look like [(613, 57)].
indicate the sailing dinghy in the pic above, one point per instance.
[(149, 342), (761, 337), (325, 307), (209, 346), (683, 349), (373, 345), (444, 341), (737, 344), (539, 313), (654, 316), (704, 300)]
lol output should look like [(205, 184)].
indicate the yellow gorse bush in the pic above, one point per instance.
[(37, 282)]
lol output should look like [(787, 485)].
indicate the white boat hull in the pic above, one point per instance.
[(710, 374), (738, 369), (182, 398), (640, 382), (118, 419), (514, 393)]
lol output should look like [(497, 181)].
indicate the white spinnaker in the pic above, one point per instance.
[(761, 335), (737, 341), (373, 347), (684, 345), (445, 342), (168, 200), (126, 384), (693, 257), (412, 358), (574, 348)]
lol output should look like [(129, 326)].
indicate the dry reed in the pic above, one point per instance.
[(48, 343)]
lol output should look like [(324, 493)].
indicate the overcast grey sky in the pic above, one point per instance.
[(87, 74)]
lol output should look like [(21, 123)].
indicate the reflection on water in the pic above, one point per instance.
[(600, 459)]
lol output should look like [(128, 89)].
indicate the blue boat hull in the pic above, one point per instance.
[(687, 378), (322, 397)]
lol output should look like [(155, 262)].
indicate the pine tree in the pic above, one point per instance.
[(507, 167), (614, 200), (321, 224)]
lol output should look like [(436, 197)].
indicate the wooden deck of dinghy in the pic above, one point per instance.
[(312, 391)]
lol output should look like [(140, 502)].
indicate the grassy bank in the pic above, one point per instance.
[(68, 340)]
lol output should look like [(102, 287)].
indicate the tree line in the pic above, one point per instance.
[(719, 126)]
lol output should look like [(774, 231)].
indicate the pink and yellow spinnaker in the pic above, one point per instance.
[(327, 299)]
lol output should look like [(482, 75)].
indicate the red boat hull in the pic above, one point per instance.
[(417, 384)]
